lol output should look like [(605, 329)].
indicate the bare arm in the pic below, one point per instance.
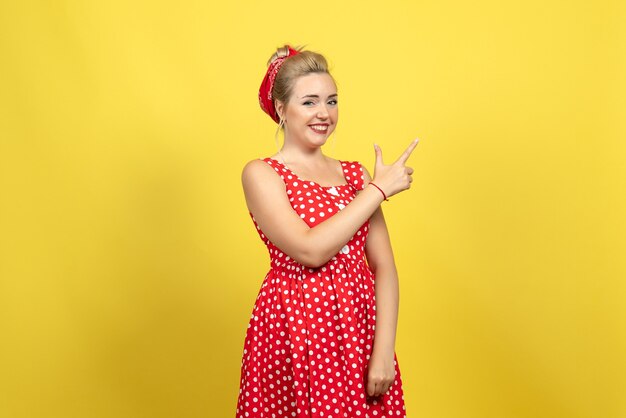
[(380, 259), (312, 247)]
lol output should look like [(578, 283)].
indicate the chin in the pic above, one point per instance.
[(318, 142)]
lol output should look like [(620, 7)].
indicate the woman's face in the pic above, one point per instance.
[(311, 114)]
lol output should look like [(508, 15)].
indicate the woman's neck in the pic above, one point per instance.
[(302, 157)]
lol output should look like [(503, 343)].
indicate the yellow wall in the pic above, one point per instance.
[(129, 264)]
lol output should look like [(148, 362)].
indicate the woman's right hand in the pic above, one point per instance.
[(396, 177)]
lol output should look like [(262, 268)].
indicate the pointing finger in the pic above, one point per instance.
[(407, 153)]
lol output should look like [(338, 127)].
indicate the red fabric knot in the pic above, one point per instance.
[(265, 91)]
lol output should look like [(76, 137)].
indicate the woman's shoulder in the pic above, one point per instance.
[(259, 170), (255, 166)]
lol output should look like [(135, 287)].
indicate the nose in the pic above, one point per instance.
[(322, 113)]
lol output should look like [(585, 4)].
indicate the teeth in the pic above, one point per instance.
[(319, 128)]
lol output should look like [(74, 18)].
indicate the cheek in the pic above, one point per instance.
[(299, 114)]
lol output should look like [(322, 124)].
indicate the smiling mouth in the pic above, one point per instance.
[(320, 129)]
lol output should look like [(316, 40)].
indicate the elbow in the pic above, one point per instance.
[(383, 269), (309, 254), (310, 259)]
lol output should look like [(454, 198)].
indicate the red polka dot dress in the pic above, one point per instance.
[(311, 331)]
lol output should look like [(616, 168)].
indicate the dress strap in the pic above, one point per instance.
[(353, 172), (279, 167)]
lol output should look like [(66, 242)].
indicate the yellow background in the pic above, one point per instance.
[(129, 264)]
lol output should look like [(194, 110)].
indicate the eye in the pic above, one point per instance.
[(307, 102), (333, 102)]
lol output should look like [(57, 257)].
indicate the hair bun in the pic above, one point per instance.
[(282, 51)]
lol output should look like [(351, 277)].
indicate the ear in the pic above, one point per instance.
[(280, 107)]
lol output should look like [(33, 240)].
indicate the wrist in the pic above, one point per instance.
[(379, 189), (384, 352)]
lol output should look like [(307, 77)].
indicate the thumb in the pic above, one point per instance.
[(371, 388), (379, 155)]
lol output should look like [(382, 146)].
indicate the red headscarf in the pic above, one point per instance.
[(265, 91)]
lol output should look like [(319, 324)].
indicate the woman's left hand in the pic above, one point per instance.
[(380, 373)]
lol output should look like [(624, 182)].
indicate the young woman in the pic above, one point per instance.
[(320, 341)]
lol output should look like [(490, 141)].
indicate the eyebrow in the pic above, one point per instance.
[(317, 97)]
